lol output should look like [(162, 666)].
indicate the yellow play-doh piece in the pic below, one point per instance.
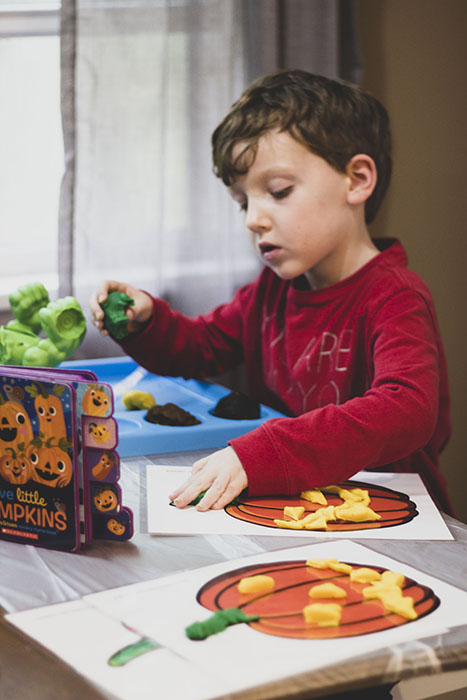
[(256, 584), (333, 564), (311, 517), (321, 563), (340, 567), (355, 496), (289, 524), (356, 512), (135, 400), (316, 524), (378, 589), (323, 614), (364, 575), (328, 513), (327, 590), (294, 512), (314, 521), (393, 577), (401, 605), (314, 496), (331, 489)]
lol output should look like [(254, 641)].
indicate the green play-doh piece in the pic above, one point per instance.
[(115, 319)]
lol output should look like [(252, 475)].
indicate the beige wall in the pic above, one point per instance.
[(415, 62)]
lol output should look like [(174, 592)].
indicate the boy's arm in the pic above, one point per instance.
[(173, 344), (395, 418)]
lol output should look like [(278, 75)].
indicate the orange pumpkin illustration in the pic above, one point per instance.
[(95, 401), (394, 507), (15, 426), (280, 612), (99, 432), (115, 527), (103, 467), (51, 463), (49, 410), (105, 500), (15, 467)]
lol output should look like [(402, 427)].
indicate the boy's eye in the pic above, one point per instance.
[(243, 206), (281, 194)]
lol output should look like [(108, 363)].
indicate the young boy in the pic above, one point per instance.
[(335, 332)]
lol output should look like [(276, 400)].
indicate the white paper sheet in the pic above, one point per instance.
[(86, 633), (166, 519), (163, 608), (85, 637)]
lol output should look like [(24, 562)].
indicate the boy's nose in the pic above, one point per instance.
[(257, 220)]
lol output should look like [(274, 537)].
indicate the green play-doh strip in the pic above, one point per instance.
[(218, 623)]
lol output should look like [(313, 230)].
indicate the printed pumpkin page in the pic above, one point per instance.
[(367, 506), (293, 611)]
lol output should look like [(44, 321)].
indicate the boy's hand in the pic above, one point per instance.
[(137, 314), (220, 474)]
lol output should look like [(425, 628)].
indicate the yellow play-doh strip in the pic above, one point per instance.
[(256, 584), (323, 614), (327, 590), (356, 513)]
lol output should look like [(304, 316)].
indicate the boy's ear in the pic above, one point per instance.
[(361, 176)]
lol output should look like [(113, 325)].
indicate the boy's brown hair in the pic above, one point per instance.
[(332, 118)]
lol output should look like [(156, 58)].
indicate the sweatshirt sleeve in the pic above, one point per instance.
[(394, 417), (173, 344)]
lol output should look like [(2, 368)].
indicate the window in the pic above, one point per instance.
[(31, 162)]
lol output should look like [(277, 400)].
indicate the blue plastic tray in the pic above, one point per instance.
[(138, 437)]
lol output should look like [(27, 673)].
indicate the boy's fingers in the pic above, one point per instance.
[(214, 493), (198, 465), (186, 493), (226, 497)]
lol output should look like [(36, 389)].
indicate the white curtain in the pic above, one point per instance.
[(144, 83)]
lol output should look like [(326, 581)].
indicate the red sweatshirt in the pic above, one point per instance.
[(357, 367)]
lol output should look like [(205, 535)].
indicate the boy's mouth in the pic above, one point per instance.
[(267, 250)]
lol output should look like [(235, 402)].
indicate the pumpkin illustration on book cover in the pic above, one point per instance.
[(15, 425), (15, 466), (51, 463), (95, 401), (49, 410)]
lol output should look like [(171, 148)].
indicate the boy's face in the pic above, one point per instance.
[(296, 211)]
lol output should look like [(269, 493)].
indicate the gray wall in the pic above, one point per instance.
[(415, 58)]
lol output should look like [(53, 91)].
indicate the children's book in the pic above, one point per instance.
[(59, 465)]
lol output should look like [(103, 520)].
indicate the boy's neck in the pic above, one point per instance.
[(340, 267)]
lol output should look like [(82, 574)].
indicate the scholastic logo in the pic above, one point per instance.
[(29, 535)]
